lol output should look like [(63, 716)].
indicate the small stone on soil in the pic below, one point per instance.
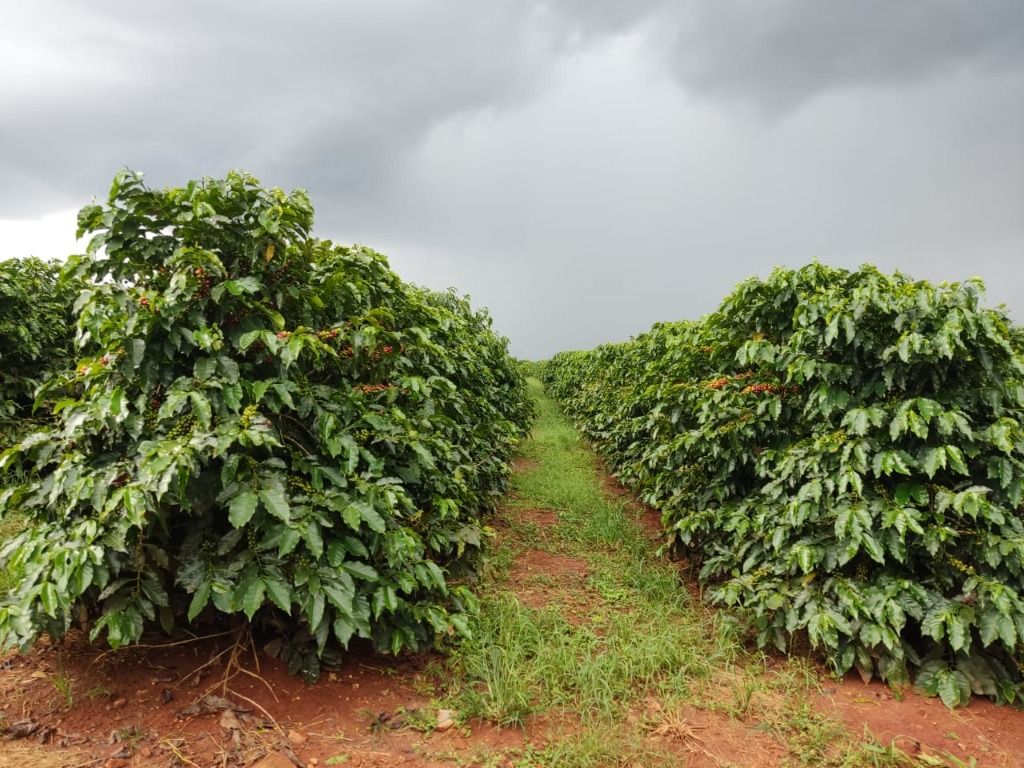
[(275, 760), (297, 738), (445, 720)]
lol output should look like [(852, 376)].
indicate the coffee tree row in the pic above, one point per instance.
[(264, 426), (36, 337), (842, 453)]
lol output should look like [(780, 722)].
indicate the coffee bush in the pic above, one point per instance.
[(842, 453), (268, 430), (36, 338)]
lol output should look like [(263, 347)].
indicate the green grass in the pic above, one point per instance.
[(564, 477), (642, 636)]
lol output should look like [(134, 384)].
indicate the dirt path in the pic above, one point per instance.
[(590, 651)]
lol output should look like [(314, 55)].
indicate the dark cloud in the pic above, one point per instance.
[(780, 52), (332, 96), (583, 167)]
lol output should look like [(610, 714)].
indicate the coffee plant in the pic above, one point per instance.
[(531, 368), (842, 453), (36, 337), (267, 430)]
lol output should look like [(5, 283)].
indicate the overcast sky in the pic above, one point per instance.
[(583, 168)]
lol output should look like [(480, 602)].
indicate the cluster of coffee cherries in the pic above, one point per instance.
[(961, 566), (300, 483), (376, 355), (103, 362), (279, 274), (203, 281), (771, 389), (248, 415), (367, 389), (303, 385), (837, 438), (762, 387), (183, 426), (303, 561), (151, 413), (252, 537), (723, 380)]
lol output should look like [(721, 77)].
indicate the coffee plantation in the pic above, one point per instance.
[(842, 454), (262, 429), (214, 421)]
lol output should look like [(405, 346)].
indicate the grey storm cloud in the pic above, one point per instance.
[(779, 53), (584, 167), (334, 93)]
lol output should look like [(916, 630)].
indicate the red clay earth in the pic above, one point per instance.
[(542, 578), (711, 739), (993, 735), (145, 707)]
